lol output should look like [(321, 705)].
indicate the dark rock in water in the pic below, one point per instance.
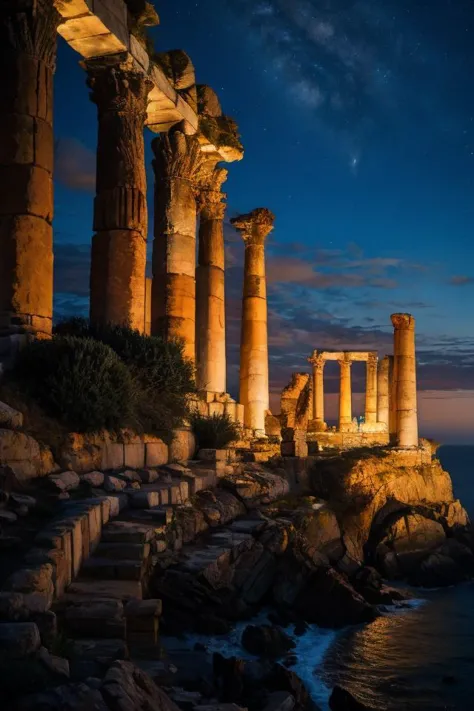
[(301, 628), (73, 697), (280, 701), (282, 679), (328, 600), (266, 641), (342, 700), (369, 583), (228, 675)]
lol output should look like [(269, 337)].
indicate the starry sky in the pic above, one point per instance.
[(357, 118)]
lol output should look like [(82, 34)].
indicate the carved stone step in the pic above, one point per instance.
[(101, 619), (84, 589), (108, 569), (126, 532), (120, 551)]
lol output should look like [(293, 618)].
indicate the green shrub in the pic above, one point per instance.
[(163, 377), (214, 432), (79, 381)]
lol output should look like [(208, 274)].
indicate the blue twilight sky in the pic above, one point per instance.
[(357, 118)]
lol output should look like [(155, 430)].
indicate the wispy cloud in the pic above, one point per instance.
[(461, 280), (75, 165)]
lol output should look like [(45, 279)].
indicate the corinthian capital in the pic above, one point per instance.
[(177, 156), (30, 27), (403, 321), (372, 360), (317, 361), (211, 197), (118, 90), (255, 226)]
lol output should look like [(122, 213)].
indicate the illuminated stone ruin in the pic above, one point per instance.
[(390, 396)]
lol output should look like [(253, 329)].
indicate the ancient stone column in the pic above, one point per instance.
[(254, 395), (178, 160), (318, 364), (118, 259), (392, 419), (371, 390), (345, 394), (28, 32), (210, 286), (405, 359), (385, 370)]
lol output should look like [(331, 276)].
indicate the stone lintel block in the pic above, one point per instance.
[(113, 456), (134, 455), (98, 45), (139, 53), (156, 454), (74, 8)]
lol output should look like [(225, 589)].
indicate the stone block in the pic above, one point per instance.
[(66, 481), (73, 8), (183, 445), (95, 526), (113, 456), (117, 504), (94, 479), (10, 417), (57, 558), (145, 499), (36, 584), (98, 45), (149, 476), (139, 53), (156, 454), (28, 190), (240, 413), (216, 408), (213, 455), (134, 455), (113, 484), (18, 640)]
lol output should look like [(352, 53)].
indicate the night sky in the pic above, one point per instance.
[(357, 118)]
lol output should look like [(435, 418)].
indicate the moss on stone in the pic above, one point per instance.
[(221, 132)]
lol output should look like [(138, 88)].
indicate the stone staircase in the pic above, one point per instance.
[(105, 613)]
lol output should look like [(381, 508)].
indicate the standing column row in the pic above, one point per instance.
[(28, 39), (254, 391), (384, 377), (118, 258), (345, 395)]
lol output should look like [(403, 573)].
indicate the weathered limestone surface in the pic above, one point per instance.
[(120, 209), (254, 395), (210, 284), (318, 364), (371, 390), (385, 368), (177, 165), (27, 58), (370, 489), (405, 380), (345, 395)]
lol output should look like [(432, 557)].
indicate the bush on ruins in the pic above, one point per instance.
[(214, 432), (79, 381), (106, 378)]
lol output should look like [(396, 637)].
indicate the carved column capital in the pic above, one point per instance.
[(345, 364), (403, 322), (318, 362), (29, 27), (255, 226), (211, 198), (177, 157), (118, 90), (372, 360)]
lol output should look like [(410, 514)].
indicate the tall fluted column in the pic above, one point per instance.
[(385, 371), (371, 390), (28, 32), (318, 364), (392, 422), (210, 286), (405, 365), (254, 395), (345, 394), (177, 163), (118, 259)]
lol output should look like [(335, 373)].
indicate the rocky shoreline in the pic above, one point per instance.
[(311, 541)]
